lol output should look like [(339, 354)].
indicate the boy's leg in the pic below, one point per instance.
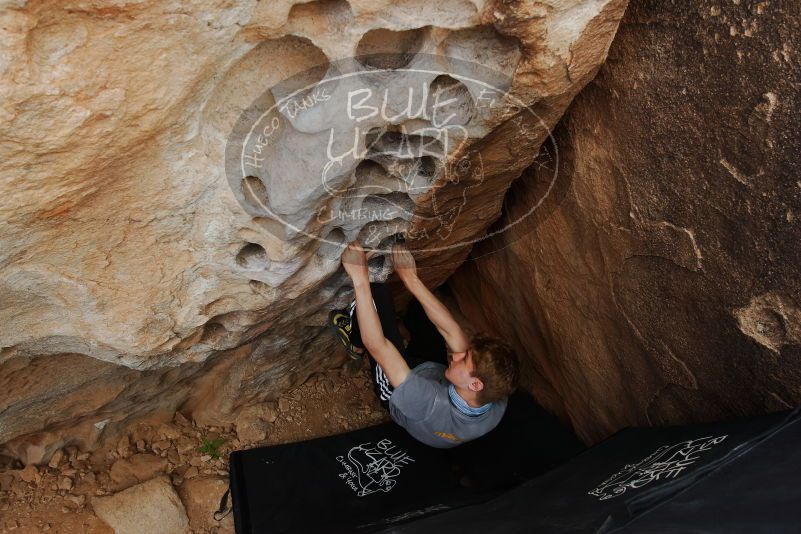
[(382, 297), (384, 305), (426, 344)]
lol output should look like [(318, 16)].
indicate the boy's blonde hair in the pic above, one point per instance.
[(495, 365)]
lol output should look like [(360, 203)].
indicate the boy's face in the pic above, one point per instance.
[(460, 371)]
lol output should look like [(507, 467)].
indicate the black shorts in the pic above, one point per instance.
[(426, 343)]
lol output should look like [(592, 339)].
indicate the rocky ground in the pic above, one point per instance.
[(163, 468)]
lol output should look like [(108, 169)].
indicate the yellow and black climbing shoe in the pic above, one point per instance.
[(339, 322), (340, 319)]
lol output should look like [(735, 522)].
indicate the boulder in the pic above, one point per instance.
[(201, 498), (252, 421), (658, 282), (141, 274), (151, 507), (137, 468)]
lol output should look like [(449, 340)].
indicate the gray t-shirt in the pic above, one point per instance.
[(421, 405)]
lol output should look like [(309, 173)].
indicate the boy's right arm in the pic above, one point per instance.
[(435, 310)]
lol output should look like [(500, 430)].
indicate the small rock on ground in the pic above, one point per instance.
[(201, 497), (152, 507)]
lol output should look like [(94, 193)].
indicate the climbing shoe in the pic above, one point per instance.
[(339, 322)]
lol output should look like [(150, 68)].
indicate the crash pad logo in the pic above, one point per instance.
[(370, 468), (666, 462)]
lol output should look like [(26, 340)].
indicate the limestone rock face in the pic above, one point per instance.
[(659, 281), (138, 276)]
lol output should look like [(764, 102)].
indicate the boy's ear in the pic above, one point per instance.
[(476, 384)]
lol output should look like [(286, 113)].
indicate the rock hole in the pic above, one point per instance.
[(373, 135), (246, 79), (770, 324), (310, 13), (333, 244), (418, 174), (402, 145), (449, 102), (372, 235), (255, 194), (237, 320), (486, 46), (263, 289), (395, 205), (379, 267), (252, 257), (213, 333), (412, 159), (427, 166), (376, 263), (387, 243), (373, 179), (388, 49)]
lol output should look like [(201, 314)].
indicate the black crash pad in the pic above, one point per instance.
[(732, 477), (739, 476), (367, 480)]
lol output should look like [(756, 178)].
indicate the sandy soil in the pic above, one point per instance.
[(57, 497)]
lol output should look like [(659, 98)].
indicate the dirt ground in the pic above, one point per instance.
[(56, 498)]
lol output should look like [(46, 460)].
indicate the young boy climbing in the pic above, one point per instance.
[(440, 404)]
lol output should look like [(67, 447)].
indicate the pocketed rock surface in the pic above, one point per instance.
[(136, 280), (58, 497)]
